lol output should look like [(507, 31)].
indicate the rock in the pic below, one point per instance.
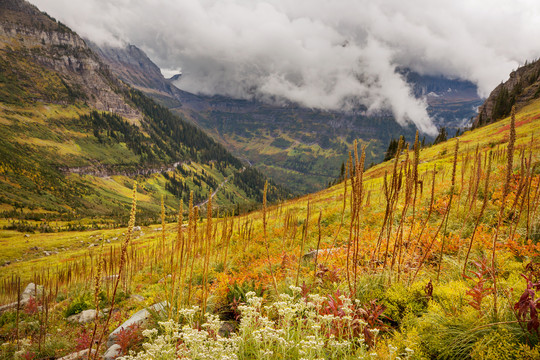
[(12, 305), (84, 316), (140, 317), (26, 235), (226, 329), (83, 354), (46, 253), (113, 352), (158, 229), (136, 228), (34, 248), (137, 297), (108, 241), (91, 245), (110, 277), (31, 290), (311, 255)]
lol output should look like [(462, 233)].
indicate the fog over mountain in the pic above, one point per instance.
[(322, 54)]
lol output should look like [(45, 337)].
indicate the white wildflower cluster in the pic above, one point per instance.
[(186, 342), (293, 327)]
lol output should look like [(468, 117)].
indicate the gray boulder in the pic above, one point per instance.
[(31, 290), (139, 318), (83, 354), (113, 352), (85, 316)]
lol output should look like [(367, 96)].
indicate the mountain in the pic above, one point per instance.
[(299, 147), (73, 137), (451, 102), (416, 259), (522, 87)]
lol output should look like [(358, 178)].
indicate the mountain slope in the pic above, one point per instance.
[(522, 87), (302, 148), (73, 136)]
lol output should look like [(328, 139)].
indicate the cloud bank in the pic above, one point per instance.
[(323, 54)]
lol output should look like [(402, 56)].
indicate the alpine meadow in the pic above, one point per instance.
[(260, 205)]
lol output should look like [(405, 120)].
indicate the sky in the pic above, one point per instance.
[(327, 54)]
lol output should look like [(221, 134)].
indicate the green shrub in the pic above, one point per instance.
[(80, 303), (400, 299), (499, 344)]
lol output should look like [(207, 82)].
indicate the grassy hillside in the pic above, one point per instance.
[(73, 138), (439, 268)]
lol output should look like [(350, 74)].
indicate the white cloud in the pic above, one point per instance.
[(314, 52)]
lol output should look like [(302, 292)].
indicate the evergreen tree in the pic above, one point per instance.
[(443, 136)]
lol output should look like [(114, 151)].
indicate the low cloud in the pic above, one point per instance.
[(321, 54)]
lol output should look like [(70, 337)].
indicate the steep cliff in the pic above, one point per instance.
[(522, 87), (31, 38)]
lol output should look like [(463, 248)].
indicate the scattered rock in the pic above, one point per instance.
[(85, 316), (140, 317), (137, 297), (26, 235), (91, 245), (31, 290), (311, 255), (136, 228), (110, 277), (12, 305), (108, 241), (83, 354), (113, 352), (114, 239), (158, 229), (226, 329), (46, 253)]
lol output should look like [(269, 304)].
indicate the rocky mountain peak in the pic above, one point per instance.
[(522, 86), (51, 46)]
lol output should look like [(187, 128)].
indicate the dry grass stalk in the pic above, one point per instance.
[(194, 244), (179, 263), (391, 193), (227, 242), (97, 289), (409, 179), (449, 207), (506, 190), (480, 214), (265, 236), (318, 246), (348, 172), (122, 264), (416, 162), (207, 251), (304, 236)]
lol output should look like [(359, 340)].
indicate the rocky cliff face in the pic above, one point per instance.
[(522, 86), (131, 65), (53, 46)]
